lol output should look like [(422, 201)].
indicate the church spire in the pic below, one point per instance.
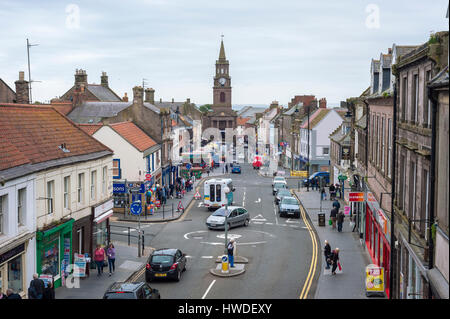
[(222, 51)]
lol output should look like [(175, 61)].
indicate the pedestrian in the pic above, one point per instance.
[(340, 220), (327, 253), (171, 190), (335, 260), (99, 258), (111, 252), (12, 295), (164, 195), (333, 215), (336, 204), (226, 168), (332, 192), (231, 248), (36, 289), (323, 194), (3, 296), (207, 171), (338, 190), (49, 291)]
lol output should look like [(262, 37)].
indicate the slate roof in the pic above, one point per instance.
[(441, 79), (103, 93), (33, 134), (315, 118), (249, 111), (93, 112), (133, 135)]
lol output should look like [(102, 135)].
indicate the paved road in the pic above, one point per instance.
[(279, 249)]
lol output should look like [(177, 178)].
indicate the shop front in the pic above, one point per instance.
[(13, 262), (378, 237), (100, 225), (54, 251)]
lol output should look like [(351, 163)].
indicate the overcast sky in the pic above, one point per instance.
[(277, 49)]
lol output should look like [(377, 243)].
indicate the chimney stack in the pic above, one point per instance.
[(389, 50), (104, 80), (138, 95), (80, 77), (173, 100), (22, 89), (150, 96), (125, 98), (323, 103), (188, 101)]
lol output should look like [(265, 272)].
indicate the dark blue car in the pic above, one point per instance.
[(236, 168), (325, 176)]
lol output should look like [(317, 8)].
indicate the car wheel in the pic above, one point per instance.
[(246, 222)]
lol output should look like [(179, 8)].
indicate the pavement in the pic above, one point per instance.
[(350, 282), (93, 286)]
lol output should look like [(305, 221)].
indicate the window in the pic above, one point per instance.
[(104, 179), (212, 193), (67, 192), (415, 98), (376, 81), (389, 147), (3, 210), (404, 97), (386, 79), (427, 103), (15, 274), (377, 153), (222, 97), (81, 188), (21, 206), (93, 184), (218, 193), (426, 190), (50, 196), (412, 197), (117, 172), (402, 181), (157, 158), (326, 151)]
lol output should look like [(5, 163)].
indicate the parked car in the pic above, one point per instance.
[(278, 179), (277, 186), (236, 216), (280, 194), (131, 290), (165, 263), (289, 207), (324, 175), (236, 169)]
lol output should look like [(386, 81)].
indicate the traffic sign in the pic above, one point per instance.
[(180, 206), (197, 195), (188, 166), (342, 177), (136, 208), (148, 177)]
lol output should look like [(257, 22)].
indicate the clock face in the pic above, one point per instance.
[(222, 81)]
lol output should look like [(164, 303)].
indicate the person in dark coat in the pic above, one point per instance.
[(49, 291), (332, 192), (12, 295), (36, 289), (340, 220), (327, 253), (334, 260), (336, 204), (3, 296), (333, 215)]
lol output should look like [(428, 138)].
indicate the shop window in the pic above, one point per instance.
[(15, 274), (50, 256), (3, 209), (21, 206)]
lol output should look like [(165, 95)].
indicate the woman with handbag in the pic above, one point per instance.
[(335, 261), (99, 258)]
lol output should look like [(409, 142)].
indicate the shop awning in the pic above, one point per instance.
[(438, 283), (103, 216)]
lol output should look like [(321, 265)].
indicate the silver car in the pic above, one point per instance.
[(236, 216), (289, 206)]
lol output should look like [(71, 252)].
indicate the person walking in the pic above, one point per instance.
[(226, 168), (327, 253), (99, 258), (36, 289), (340, 220), (334, 260), (336, 204), (333, 215), (323, 194), (332, 192), (111, 253), (12, 295), (164, 195), (171, 190), (231, 248), (49, 291)]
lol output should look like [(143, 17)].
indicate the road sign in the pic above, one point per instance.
[(188, 166), (342, 177), (180, 206), (197, 195), (356, 197), (148, 177), (136, 208)]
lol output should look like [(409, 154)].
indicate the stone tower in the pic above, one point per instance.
[(222, 81)]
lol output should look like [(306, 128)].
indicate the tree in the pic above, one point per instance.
[(205, 108)]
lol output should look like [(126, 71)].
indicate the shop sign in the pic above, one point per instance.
[(299, 173), (347, 210), (371, 198), (119, 188), (356, 197), (342, 177), (80, 265), (11, 253), (374, 279), (103, 208)]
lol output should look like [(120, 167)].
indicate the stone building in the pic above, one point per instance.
[(7, 95), (20, 96), (413, 216)]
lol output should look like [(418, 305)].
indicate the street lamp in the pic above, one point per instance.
[(226, 191), (307, 185)]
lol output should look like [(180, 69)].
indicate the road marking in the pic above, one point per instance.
[(209, 288), (259, 218), (207, 257), (275, 211), (292, 221), (269, 223), (258, 201)]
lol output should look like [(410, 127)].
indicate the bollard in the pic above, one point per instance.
[(225, 268), (128, 236)]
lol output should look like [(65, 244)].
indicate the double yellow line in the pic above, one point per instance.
[(315, 250)]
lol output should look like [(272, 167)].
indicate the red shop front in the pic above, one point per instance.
[(377, 239)]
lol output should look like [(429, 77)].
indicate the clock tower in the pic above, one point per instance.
[(222, 82)]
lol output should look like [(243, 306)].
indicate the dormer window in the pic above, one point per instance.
[(376, 81)]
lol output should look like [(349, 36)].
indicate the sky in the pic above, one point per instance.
[(276, 49)]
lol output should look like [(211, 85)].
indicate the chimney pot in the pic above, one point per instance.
[(21, 75), (172, 100)]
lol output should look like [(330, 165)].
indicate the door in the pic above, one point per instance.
[(242, 216), (233, 219)]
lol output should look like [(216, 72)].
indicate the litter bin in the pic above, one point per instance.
[(321, 219)]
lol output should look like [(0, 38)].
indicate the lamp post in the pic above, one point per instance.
[(307, 185), (226, 190)]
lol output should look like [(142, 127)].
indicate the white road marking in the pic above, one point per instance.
[(292, 221), (258, 201), (258, 223), (259, 218), (209, 288), (207, 257), (269, 223), (275, 211)]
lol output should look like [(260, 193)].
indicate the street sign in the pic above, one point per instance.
[(180, 206), (356, 197), (188, 166), (148, 177), (342, 177), (299, 173), (197, 195), (136, 208)]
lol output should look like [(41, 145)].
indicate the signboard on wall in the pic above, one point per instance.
[(374, 280), (356, 197)]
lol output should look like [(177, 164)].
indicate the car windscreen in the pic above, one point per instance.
[(289, 201), (284, 193), (220, 212), (162, 259), (120, 295), (280, 185)]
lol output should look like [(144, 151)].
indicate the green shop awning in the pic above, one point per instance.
[(64, 227)]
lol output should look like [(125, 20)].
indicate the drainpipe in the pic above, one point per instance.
[(432, 181), (394, 159)]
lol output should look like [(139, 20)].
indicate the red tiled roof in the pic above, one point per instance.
[(90, 128), (32, 134), (63, 107), (134, 135), (242, 120)]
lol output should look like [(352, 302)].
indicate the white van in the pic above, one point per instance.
[(214, 195)]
